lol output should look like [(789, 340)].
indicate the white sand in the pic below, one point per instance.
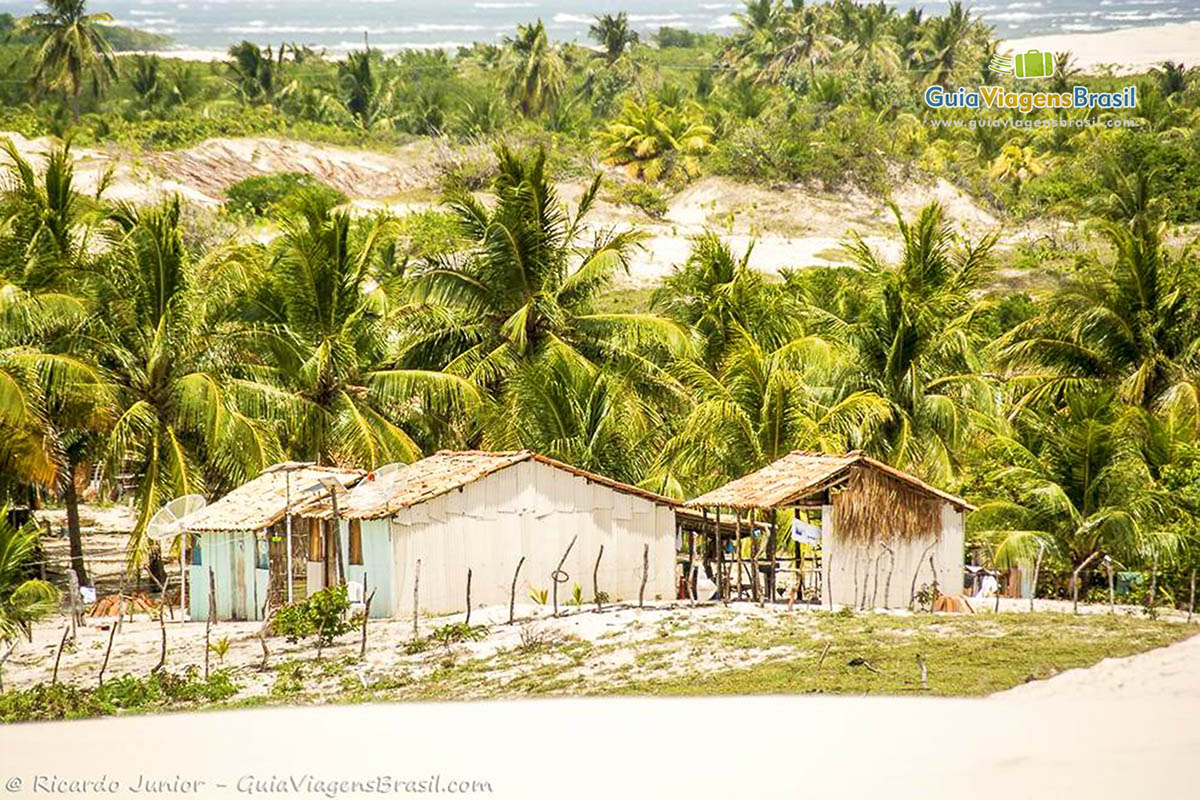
[(1127, 50)]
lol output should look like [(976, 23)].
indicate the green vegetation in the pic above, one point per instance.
[(127, 694), (282, 192), (150, 341), (324, 615)]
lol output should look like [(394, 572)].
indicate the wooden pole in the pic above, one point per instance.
[(912, 593), (74, 601), (58, 656), (1075, 581), (924, 672), (468, 620), (828, 587), (287, 516), (263, 630), (722, 578), (772, 544), (1112, 592), (596, 580), (416, 597), (692, 569), (645, 574), (362, 648), (1154, 581), (755, 592), (112, 634), (337, 537), (212, 613), (1037, 567), (1192, 598), (558, 576), (887, 585), (512, 596), (737, 527), (162, 627)]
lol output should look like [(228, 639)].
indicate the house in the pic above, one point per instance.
[(247, 539), (882, 532), (485, 512)]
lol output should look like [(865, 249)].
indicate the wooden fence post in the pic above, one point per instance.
[(596, 580), (512, 595), (416, 598), (1037, 568), (1075, 581), (58, 656), (558, 576), (645, 574), (1192, 599), (1112, 593), (468, 620), (212, 613), (912, 593)]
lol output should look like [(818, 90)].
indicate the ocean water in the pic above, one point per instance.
[(395, 24)]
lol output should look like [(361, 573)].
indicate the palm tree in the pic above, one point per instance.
[(1074, 483), (364, 95), (1017, 164), (719, 295), (912, 327), (534, 71), (527, 281), (71, 50), (868, 41), (181, 426), (654, 142), (23, 601), (614, 33), (570, 409), (47, 245), (321, 328), (943, 47), (1129, 322), (763, 402)]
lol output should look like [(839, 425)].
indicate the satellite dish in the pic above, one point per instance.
[(385, 470), (167, 522)]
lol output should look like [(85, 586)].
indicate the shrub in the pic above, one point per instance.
[(324, 615), (642, 195), (260, 194), (126, 693)]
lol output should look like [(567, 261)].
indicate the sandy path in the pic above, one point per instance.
[(1127, 50), (1169, 673), (817, 747)]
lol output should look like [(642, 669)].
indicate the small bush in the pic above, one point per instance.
[(458, 632), (258, 195), (126, 693), (324, 615), (645, 196)]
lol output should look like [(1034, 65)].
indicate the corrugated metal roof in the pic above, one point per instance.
[(262, 502), (442, 472), (798, 474)]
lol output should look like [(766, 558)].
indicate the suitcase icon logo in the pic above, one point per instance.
[(1030, 64)]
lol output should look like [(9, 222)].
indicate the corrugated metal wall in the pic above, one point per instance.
[(868, 568), (241, 588), (529, 509)]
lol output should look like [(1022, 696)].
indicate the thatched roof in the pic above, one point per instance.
[(799, 475), (381, 496), (262, 502)]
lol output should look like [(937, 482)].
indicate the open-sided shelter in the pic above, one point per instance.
[(882, 530), (485, 511), (242, 540)]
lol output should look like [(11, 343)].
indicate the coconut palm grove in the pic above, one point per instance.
[(1047, 369)]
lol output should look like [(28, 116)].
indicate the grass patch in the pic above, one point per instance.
[(966, 656)]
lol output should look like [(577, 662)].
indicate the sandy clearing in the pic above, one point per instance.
[(818, 747), (790, 226), (1171, 672), (1127, 50)]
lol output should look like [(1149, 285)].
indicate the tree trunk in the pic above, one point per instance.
[(71, 498), (75, 106)]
